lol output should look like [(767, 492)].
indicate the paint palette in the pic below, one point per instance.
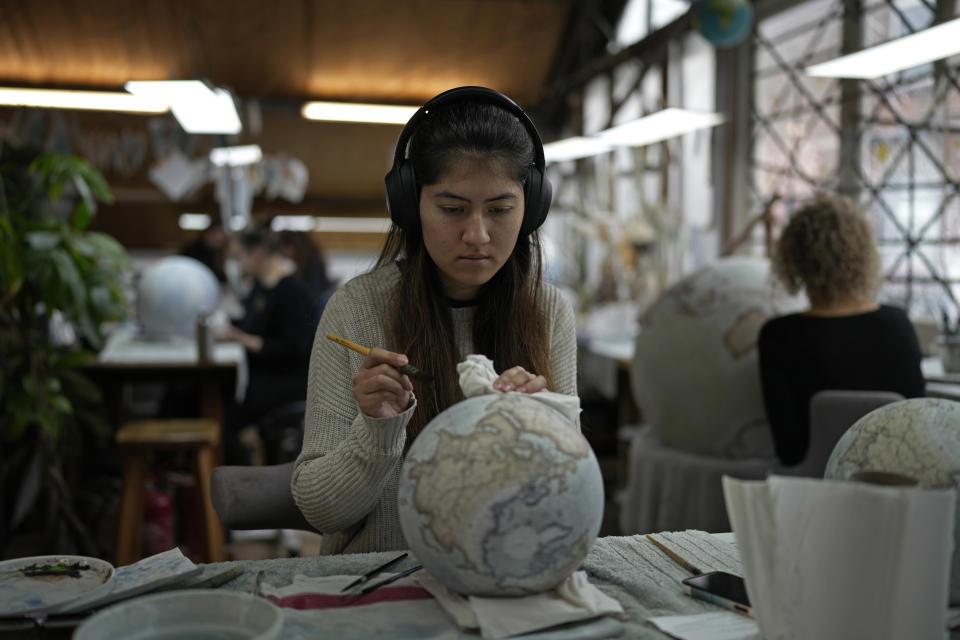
[(40, 585)]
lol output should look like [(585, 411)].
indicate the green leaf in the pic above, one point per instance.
[(82, 214), (108, 247), (75, 357), (73, 287), (43, 240), (61, 404), (79, 386), (93, 179)]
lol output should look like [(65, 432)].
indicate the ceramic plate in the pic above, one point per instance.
[(39, 585)]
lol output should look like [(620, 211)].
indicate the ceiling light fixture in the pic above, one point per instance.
[(330, 224), (656, 127), (197, 107), (356, 112), (194, 221), (236, 156), (574, 148), (68, 99), (659, 126), (918, 48)]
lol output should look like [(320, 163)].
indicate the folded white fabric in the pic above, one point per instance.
[(574, 599), (476, 376)]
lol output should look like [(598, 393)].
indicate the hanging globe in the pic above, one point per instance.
[(724, 23), (500, 495)]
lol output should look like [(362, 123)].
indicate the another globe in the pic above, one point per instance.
[(500, 495), (723, 22), (171, 295), (918, 438), (695, 374)]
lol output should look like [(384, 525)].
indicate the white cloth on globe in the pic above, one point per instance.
[(574, 599), (476, 379)]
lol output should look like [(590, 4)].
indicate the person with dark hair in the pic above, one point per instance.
[(460, 273), (311, 265), (845, 340), (208, 247), (276, 331)]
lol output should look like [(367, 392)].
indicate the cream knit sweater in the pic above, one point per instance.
[(345, 479)]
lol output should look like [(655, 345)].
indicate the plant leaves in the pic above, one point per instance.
[(82, 215), (108, 247), (43, 240)]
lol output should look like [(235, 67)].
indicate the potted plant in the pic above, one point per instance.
[(59, 284), (949, 341)]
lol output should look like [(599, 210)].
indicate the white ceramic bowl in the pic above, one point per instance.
[(198, 614)]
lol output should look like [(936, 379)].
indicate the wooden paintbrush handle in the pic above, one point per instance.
[(362, 350)]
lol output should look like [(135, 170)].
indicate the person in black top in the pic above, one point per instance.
[(311, 266), (208, 248), (277, 332), (845, 340)]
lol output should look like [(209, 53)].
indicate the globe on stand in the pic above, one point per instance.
[(500, 495), (171, 295), (695, 374)]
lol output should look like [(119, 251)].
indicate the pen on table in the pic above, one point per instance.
[(407, 369), (392, 578), (680, 560), (369, 574)]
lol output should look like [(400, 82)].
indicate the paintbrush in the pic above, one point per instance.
[(407, 369)]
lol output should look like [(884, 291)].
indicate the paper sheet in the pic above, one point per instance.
[(722, 625)]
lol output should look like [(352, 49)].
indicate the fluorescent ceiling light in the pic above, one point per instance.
[(353, 112), (330, 224), (197, 107), (915, 49), (236, 156), (659, 126), (574, 148), (95, 100), (194, 221)]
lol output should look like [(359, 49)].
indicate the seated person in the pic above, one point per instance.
[(845, 340), (311, 266), (208, 248), (277, 332), (459, 274)]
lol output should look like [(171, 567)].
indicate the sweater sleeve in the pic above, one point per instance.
[(563, 342), (787, 414), (347, 457)]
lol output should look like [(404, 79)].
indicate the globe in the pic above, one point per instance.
[(918, 438), (172, 293), (500, 495), (694, 374), (723, 22)]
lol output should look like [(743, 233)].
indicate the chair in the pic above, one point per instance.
[(256, 498), (142, 437), (832, 412)]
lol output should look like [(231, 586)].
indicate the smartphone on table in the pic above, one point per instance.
[(721, 588)]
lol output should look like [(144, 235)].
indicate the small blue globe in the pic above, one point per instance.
[(171, 295), (723, 22)]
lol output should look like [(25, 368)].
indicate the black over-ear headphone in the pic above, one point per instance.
[(403, 192)]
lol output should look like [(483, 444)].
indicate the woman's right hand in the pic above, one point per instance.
[(380, 389)]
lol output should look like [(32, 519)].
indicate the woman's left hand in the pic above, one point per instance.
[(521, 380)]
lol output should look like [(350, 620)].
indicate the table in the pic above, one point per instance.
[(628, 568), (129, 358)]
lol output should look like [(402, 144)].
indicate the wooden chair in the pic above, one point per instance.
[(142, 437)]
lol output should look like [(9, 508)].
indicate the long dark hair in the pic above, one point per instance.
[(509, 326)]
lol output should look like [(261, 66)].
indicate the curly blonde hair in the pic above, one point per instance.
[(828, 248)]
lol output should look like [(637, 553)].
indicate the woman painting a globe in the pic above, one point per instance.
[(460, 273), (845, 340)]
